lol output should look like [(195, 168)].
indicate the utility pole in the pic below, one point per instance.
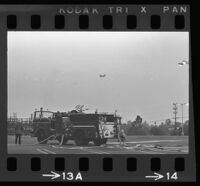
[(182, 104), (175, 108), (182, 132)]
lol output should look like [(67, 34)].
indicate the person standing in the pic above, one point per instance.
[(18, 132), (122, 136)]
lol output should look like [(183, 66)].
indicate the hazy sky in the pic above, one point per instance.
[(59, 70)]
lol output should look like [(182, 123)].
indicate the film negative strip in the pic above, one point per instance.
[(96, 93)]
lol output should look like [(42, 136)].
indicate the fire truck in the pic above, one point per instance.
[(78, 126)]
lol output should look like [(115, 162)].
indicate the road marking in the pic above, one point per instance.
[(75, 147), (51, 152), (142, 151), (95, 151), (104, 152), (98, 151), (152, 141), (57, 146), (69, 147), (91, 151), (92, 126), (43, 152), (162, 151), (150, 152)]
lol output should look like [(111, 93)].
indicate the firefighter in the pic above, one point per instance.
[(18, 132), (121, 136)]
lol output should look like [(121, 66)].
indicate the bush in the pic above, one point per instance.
[(159, 130), (166, 128), (143, 129)]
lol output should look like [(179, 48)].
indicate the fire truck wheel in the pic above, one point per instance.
[(79, 138), (97, 142), (85, 142), (103, 141), (81, 142), (41, 137), (78, 141)]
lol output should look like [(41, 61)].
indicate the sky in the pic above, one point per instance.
[(59, 70)]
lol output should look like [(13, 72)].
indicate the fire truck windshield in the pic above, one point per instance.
[(43, 114)]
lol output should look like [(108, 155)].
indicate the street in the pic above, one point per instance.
[(134, 145)]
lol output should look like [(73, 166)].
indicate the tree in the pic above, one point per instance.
[(154, 130), (161, 129), (145, 130), (138, 119), (138, 128), (137, 122), (168, 122), (177, 131)]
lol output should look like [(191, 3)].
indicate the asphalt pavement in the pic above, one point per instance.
[(133, 145)]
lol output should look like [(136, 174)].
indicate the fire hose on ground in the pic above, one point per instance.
[(40, 142)]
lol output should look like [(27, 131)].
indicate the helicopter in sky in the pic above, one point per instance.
[(102, 75)]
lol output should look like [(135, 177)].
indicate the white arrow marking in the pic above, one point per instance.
[(156, 176), (53, 175)]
